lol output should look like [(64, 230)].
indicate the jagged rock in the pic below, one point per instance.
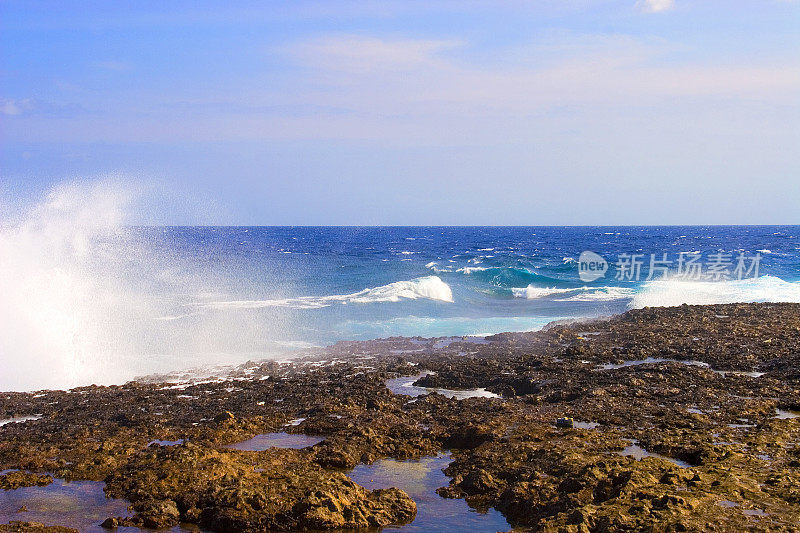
[(221, 490), (224, 417), (506, 453), (33, 527), (15, 480)]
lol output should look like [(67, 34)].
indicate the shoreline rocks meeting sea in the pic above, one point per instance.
[(669, 419)]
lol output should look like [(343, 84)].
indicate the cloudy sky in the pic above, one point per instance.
[(405, 112)]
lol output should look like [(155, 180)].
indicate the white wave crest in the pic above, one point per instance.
[(673, 292), (470, 270), (428, 287), (601, 294), (532, 293), (433, 265), (579, 294)]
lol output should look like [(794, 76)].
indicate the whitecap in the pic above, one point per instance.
[(601, 294), (427, 287), (671, 292), (577, 294), (470, 270), (532, 292), (433, 265)]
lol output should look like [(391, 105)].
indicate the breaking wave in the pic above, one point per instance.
[(601, 294), (674, 292), (428, 287), (85, 299), (436, 267), (508, 276), (579, 294), (532, 292)]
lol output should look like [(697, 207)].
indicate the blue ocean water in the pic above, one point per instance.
[(334, 283), (102, 304)]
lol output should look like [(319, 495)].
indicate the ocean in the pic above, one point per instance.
[(106, 306)]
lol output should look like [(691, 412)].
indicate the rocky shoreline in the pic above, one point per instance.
[(684, 420)]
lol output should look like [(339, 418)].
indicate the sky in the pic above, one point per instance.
[(436, 112)]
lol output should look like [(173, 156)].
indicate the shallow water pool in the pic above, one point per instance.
[(276, 440), (79, 504), (651, 361), (639, 453), (420, 479), (405, 386)]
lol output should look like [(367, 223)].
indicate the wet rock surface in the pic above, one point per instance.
[(17, 479), (679, 383), (33, 527), (229, 490)]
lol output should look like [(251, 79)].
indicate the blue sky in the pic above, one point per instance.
[(405, 112)]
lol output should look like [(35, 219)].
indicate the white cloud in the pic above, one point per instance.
[(383, 78), (655, 6), (15, 107), (418, 91), (10, 107), (357, 53)]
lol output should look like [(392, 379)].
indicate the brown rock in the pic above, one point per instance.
[(15, 480), (33, 527)]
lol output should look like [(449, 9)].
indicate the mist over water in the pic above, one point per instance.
[(86, 298), (57, 288)]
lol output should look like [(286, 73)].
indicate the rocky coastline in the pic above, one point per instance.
[(683, 419)]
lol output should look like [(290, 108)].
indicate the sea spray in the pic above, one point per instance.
[(86, 299), (427, 287), (671, 292), (52, 316)]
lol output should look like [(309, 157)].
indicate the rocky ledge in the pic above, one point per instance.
[(230, 490), (16, 479), (683, 419), (16, 526)]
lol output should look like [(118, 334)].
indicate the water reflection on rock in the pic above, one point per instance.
[(276, 440), (405, 386), (79, 504), (420, 479)]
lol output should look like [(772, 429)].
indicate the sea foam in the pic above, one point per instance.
[(427, 287), (52, 314), (578, 294), (601, 294), (673, 292), (532, 292), (85, 299)]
